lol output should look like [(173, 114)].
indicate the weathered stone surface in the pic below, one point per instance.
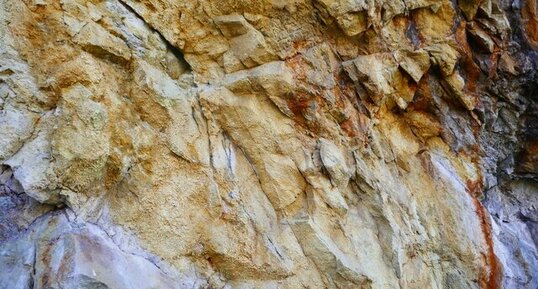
[(340, 271), (444, 56), (334, 162), (415, 63), (268, 144), (58, 253), (375, 72), (529, 19), (247, 45), (96, 40), (270, 134)]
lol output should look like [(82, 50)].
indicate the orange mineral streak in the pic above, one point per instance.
[(469, 67), (528, 158), (357, 123), (422, 100), (529, 15), (306, 104), (490, 277), (494, 60), (349, 126)]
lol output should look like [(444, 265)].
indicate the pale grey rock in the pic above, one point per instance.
[(16, 126), (339, 269), (17, 262), (514, 223), (334, 162), (33, 167), (56, 252)]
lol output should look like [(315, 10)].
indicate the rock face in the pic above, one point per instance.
[(268, 144)]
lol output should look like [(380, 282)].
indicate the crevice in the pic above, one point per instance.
[(176, 51), (34, 265)]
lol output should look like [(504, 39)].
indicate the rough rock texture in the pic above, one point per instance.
[(269, 144)]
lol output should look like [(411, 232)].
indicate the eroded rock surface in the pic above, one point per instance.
[(268, 144)]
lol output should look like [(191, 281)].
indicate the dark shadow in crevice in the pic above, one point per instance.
[(175, 51)]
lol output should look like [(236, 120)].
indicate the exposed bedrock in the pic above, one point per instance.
[(268, 144)]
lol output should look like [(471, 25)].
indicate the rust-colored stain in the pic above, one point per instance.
[(494, 62), (423, 96), (46, 260), (300, 44), (529, 17), (413, 25), (308, 107), (298, 103), (349, 126), (527, 160), (469, 67), (490, 277), (296, 64), (357, 124)]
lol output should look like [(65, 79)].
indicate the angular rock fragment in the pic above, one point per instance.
[(351, 16), (375, 72), (168, 106), (415, 4), (443, 56), (334, 162), (481, 37), (380, 75), (338, 268), (507, 64), (81, 143), (246, 43), (469, 8), (324, 188), (415, 63), (456, 85), (274, 80), (232, 25), (33, 168), (58, 254), (423, 124), (98, 41), (240, 115), (16, 126)]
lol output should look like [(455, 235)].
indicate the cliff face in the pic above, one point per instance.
[(268, 144)]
